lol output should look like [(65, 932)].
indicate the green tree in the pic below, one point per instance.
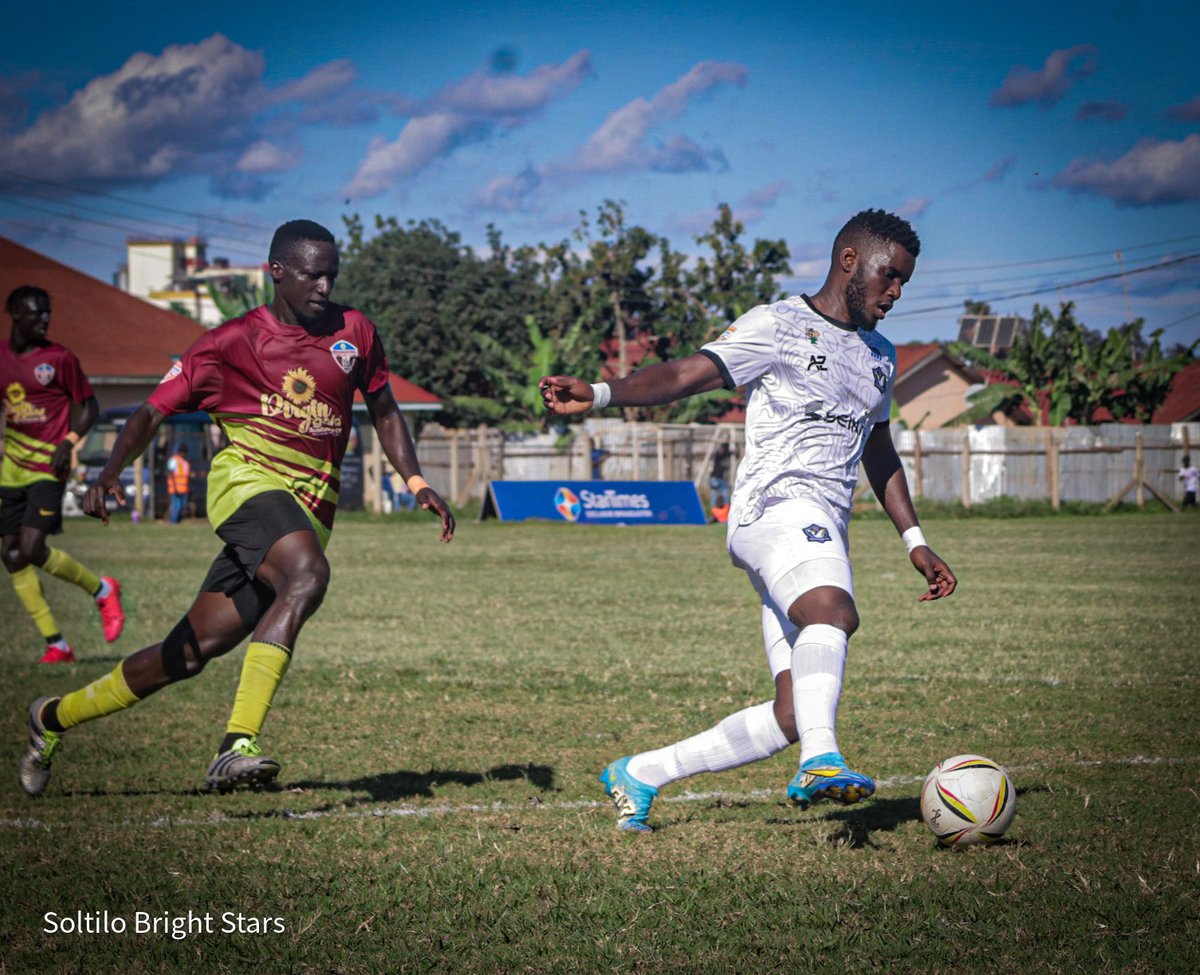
[(431, 299), (237, 296), (1064, 371)]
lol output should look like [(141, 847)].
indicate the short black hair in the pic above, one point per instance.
[(18, 295), (878, 225), (294, 231)]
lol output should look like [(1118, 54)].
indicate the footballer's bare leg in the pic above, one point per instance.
[(296, 570)]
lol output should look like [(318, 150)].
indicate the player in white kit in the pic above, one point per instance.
[(818, 380)]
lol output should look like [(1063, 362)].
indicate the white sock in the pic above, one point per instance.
[(103, 592), (818, 659), (747, 736)]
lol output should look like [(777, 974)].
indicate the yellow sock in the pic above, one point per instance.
[(105, 695), (262, 670), (29, 590), (60, 565)]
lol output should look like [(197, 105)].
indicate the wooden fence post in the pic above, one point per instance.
[(454, 463), (918, 478), (966, 467), (139, 503), (1052, 479)]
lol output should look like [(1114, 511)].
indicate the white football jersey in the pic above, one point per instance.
[(815, 388)]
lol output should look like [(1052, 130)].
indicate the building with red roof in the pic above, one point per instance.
[(124, 344), (1183, 399)]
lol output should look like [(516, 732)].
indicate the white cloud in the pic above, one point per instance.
[(751, 208), (1152, 173), (266, 157), (914, 207), (618, 143), (322, 82), (621, 143), (463, 112), (1063, 68), (512, 96), (154, 116)]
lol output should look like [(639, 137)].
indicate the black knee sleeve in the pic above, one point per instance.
[(181, 656)]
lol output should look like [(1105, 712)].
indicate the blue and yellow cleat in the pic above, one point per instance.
[(631, 797), (828, 777)]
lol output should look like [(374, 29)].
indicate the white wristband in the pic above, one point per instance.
[(601, 394), (913, 538)]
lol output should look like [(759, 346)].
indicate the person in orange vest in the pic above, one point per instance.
[(718, 484), (179, 473)]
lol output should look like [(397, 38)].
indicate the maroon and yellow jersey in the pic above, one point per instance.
[(38, 387), (283, 395)]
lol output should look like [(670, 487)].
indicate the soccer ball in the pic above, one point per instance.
[(968, 799)]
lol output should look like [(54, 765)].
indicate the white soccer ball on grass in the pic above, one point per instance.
[(968, 799)]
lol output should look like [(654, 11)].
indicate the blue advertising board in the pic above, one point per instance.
[(596, 502)]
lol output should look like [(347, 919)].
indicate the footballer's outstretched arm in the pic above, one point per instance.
[(888, 481), (398, 444), (134, 438), (663, 382)]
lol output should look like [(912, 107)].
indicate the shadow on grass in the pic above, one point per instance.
[(384, 787), (856, 824), (406, 784)]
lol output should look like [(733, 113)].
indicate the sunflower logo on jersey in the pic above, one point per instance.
[(17, 409), (299, 385)]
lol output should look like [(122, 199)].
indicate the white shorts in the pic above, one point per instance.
[(794, 547)]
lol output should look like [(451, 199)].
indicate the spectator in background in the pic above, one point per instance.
[(718, 484), (398, 494), (179, 474), (1191, 480), (599, 456)]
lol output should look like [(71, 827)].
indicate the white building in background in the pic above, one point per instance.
[(177, 275)]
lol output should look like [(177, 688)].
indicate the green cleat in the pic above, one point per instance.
[(241, 764), (33, 771)]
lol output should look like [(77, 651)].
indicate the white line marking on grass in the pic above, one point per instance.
[(450, 809)]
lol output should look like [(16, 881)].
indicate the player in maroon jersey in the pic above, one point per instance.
[(280, 380), (48, 406)]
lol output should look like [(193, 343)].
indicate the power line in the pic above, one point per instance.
[(1056, 287), (1056, 260), (173, 228), (149, 206)]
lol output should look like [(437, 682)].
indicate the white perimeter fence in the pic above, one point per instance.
[(1106, 463)]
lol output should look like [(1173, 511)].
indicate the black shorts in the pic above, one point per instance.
[(248, 535), (37, 505)]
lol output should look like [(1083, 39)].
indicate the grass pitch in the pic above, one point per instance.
[(449, 708)]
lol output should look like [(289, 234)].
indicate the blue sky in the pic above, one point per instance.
[(1033, 147)]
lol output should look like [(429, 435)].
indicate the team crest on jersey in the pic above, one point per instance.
[(345, 354), (880, 378), (817, 533), (43, 372), (174, 371), (812, 334)]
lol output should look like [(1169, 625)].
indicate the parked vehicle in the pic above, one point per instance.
[(203, 438)]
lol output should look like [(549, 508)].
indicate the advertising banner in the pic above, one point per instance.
[(596, 502)]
